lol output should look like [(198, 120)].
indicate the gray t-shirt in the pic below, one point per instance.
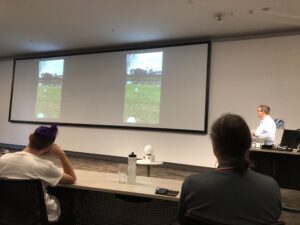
[(226, 197)]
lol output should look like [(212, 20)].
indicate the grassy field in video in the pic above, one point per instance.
[(142, 102), (48, 101)]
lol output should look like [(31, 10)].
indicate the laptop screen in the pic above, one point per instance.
[(290, 139)]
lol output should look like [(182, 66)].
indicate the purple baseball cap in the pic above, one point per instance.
[(44, 132)]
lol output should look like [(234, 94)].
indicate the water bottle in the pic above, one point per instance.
[(131, 171)]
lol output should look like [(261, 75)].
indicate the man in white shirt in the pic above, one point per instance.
[(28, 164), (267, 127)]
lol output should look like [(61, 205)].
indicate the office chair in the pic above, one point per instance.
[(22, 202)]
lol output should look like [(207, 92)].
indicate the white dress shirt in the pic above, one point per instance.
[(266, 130)]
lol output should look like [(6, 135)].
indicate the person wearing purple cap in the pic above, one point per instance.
[(28, 164)]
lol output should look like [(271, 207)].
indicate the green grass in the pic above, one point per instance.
[(48, 101), (144, 104)]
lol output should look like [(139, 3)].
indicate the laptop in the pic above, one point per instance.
[(290, 139)]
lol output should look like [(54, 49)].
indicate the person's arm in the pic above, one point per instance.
[(69, 176), (260, 134), (266, 130), (259, 131)]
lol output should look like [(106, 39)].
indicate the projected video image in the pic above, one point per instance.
[(49, 89), (143, 88)]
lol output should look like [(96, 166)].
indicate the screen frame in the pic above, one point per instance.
[(82, 52)]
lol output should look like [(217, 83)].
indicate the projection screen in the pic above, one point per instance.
[(161, 88)]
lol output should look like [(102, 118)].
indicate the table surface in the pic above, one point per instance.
[(294, 152), (108, 182)]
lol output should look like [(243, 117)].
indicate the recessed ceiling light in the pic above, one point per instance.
[(251, 11), (265, 9), (219, 17)]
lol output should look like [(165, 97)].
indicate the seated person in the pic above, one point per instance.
[(27, 164), (232, 193)]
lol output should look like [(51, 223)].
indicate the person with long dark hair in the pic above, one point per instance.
[(232, 193)]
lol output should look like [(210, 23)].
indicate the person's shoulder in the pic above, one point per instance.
[(47, 162), (200, 177), (10, 155), (265, 186), (44, 162), (269, 118), (262, 178)]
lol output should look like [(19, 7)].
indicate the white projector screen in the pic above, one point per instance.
[(161, 88)]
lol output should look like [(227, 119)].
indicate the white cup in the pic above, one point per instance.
[(122, 173), (258, 145)]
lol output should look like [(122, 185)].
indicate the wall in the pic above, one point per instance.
[(244, 74)]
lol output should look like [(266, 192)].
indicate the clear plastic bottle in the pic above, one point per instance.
[(131, 171)]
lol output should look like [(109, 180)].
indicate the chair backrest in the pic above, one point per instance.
[(22, 202)]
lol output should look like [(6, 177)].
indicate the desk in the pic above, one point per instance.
[(106, 201), (148, 164), (108, 182), (283, 166)]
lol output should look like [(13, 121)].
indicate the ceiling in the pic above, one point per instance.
[(34, 27)]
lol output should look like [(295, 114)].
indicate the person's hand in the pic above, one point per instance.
[(56, 150), (253, 133), (69, 176)]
